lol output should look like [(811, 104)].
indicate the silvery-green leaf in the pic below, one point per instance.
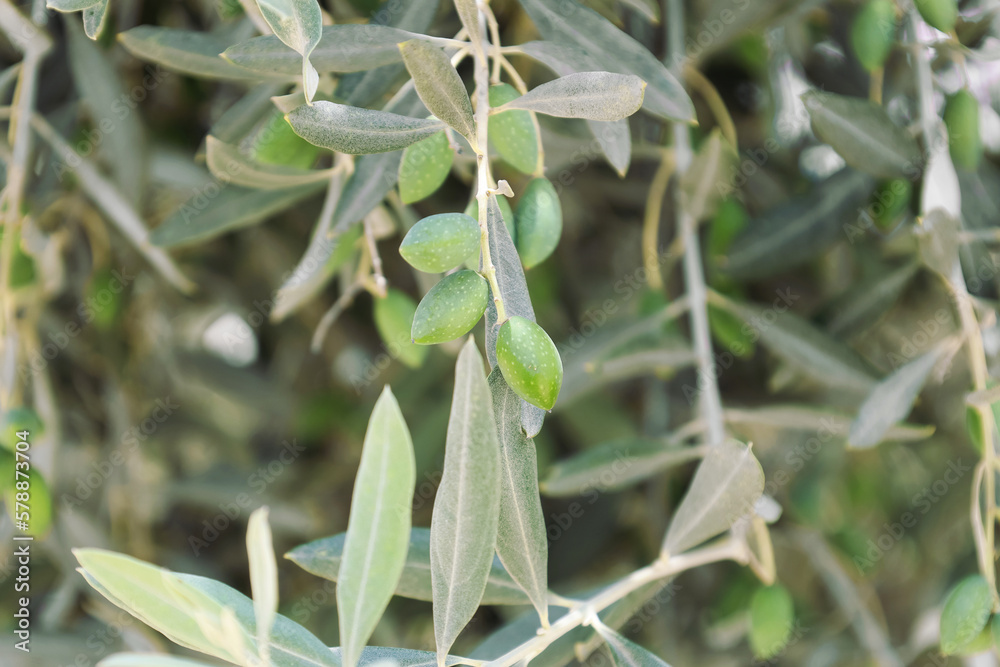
[(186, 51), (240, 119), (378, 531), (263, 576), (148, 660), (614, 466), (468, 14), (649, 9), (568, 21), (203, 217), (322, 259), (439, 86), (702, 185), (625, 652), (516, 300), (941, 188), (725, 487), (614, 137), (348, 47), (467, 504), (890, 401), (938, 242), (359, 131), (601, 96), (226, 161), (167, 602), (99, 85), (809, 418), (400, 657), (810, 350), (521, 540), (322, 558), (615, 140), (796, 231), (70, 5), (869, 300), (299, 25), (362, 89), (863, 134), (94, 18)]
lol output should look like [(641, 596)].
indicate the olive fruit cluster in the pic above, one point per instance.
[(526, 355)]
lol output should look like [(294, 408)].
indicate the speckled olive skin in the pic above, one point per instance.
[(538, 222), (451, 308), (440, 242), (530, 362)]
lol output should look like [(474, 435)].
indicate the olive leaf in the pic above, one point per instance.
[(965, 613), (359, 131), (439, 86), (522, 543), (467, 504), (570, 22), (625, 652), (348, 47), (228, 163), (863, 134), (725, 487), (94, 18), (299, 25), (385, 656), (941, 190), (186, 51), (378, 531), (322, 558), (891, 399), (468, 14), (614, 466), (602, 96), (263, 577), (148, 660), (70, 5)]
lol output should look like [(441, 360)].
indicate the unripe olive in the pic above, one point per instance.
[(961, 117), (451, 308), (772, 615), (19, 420), (440, 242), (277, 143), (873, 32), (529, 361), (538, 222), (889, 202), (424, 167), (394, 321), (965, 613), (728, 330), (513, 132), (940, 14)]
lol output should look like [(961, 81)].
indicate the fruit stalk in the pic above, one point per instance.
[(482, 77)]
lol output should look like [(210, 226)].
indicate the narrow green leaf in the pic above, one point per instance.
[(359, 131), (625, 652), (467, 504), (228, 163), (322, 558), (203, 217), (347, 47), (615, 51), (516, 299), (94, 19), (521, 540), (468, 14), (862, 133), (299, 25), (167, 601), (592, 95), (615, 140), (869, 299), (384, 656), (613, 466), (808, 418), (70, 5), (186, 51), (891, 399), (725, 487), (810, 350), (772, 617), (425, 167), (263, 577), (439, 86), (512, 133), (322, 259), (378, 531), (99, 85), (649, 9), (796, 231)]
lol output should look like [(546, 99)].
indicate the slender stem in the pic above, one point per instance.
[(582, 612), (711, 401), (651, 221), (482, 76), (376, 259), (714, 101)]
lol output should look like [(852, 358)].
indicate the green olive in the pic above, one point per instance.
[(940, 14), (965, 613), (873, 32), (529, 361), (451, 308), (424, 167), (441, 242), (538, 222), (772, 616), (961, 117), (513, 132)]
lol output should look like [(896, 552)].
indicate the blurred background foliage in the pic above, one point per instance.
[(169, 417)]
